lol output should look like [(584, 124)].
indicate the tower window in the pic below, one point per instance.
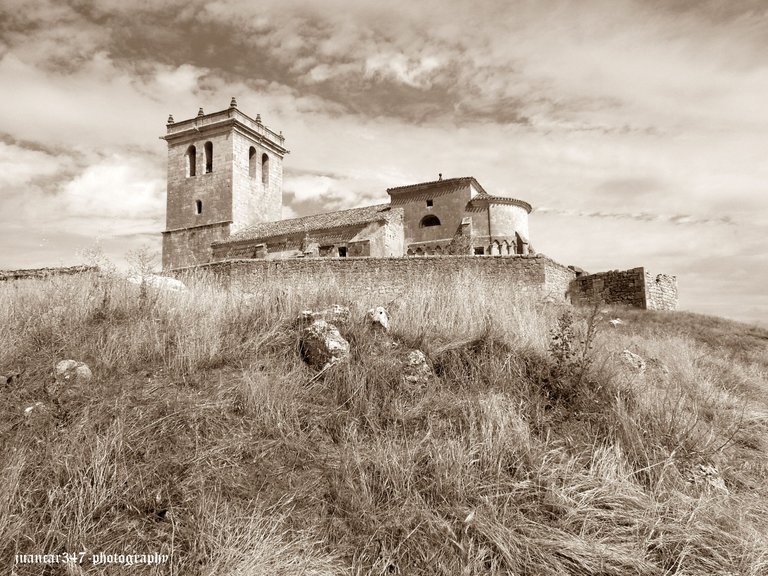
[(190, 160), (264, 169), (198, 206), (430, 203), (429, 220), (208, 157), (252, 162)]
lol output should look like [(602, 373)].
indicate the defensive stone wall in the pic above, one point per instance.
[(635, 287), (502, 278)]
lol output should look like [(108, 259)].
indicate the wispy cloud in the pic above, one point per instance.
[(677, 219)]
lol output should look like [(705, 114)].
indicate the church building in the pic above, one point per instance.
[(224, 201)]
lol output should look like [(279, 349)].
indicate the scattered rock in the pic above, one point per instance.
[(615, 322), (338, 315), (36, 408), (416, 370), (159, 282), (68, 374), (634, 361), (379, 318), (708, 477), (12, 378), (37, 414), (322, 345)]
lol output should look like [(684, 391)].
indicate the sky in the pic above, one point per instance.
[(638, 129)]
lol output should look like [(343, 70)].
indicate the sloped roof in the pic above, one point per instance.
[(485, 197), (451, 185), (325, 221), (448, 182)]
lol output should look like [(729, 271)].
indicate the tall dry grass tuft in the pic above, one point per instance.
[(534, 448)]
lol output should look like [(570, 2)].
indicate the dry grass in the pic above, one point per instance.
[(203, 436)]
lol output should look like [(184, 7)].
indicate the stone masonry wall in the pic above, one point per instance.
[(660, 291), (191, 246), (44, 272), (635, 287), (385, 279)]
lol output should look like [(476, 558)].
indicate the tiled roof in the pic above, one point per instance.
[(483, 196), (326, 221), (451, 184), (463, 181)]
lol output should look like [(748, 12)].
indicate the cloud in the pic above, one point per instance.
[(20, 166), (676, 219), (116, 189)]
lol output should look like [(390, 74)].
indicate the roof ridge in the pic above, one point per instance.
[(323, 213), (442, 180)]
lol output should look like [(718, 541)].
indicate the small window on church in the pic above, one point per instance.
[(430, 203), (190, 159), (342, 251), (198, 206), (479, 251), (208, 157), (429, 220), (264, 169), (252, 162)]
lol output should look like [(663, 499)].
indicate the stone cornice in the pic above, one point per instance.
[(488, 199), (226, 119)]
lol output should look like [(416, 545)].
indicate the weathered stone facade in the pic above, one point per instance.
[(225, 183), (225, 200), (369, 231), (636, 288), (436, 213), (44, 272), (224, 173), (384, 279), (660, 291)]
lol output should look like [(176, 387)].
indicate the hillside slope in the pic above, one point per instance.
[(535, 449)]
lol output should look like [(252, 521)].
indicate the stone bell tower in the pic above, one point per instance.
[(225, 173)]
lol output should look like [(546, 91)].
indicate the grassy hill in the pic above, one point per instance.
[(535, 449)]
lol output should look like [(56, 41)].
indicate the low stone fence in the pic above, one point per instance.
[(534, 277), (44, 272)]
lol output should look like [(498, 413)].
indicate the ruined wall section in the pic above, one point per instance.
[(635, 287), (502, 278), (660, 291)]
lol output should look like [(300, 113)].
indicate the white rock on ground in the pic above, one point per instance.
[(416, 370), (159, 282), (322, 344), (69, 373), (338, 315), (34, 408), (632, 360), (379, 317)]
